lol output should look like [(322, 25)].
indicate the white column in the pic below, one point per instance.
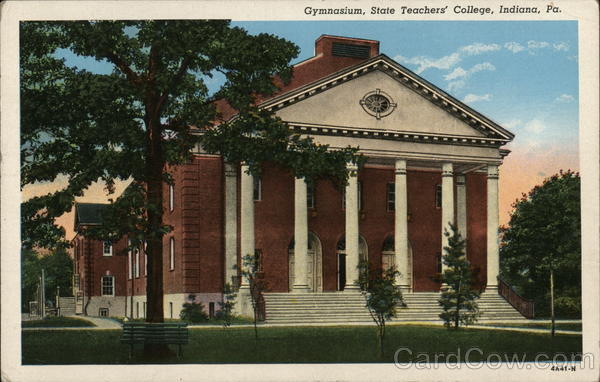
[(247, 217), (493, 261), (352, 229), (230, 221), (300, 237), (447, 203), (401, 224), (461, 206)]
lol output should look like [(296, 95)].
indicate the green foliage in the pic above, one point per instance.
[(257, 137), (544, 233), (193, 311), (458, 299), (382, 296), (568, 307), (225, 314), (251, 272), (58, 269)]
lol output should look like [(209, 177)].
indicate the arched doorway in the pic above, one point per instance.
[(363, 255), (388, 258), (314, 264)]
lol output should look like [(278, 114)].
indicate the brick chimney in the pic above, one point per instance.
[(347, 47)]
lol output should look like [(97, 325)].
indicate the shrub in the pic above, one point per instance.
[(193, 311), (568, 307)]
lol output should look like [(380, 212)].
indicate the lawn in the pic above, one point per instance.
[(294, 345), (57, 322)]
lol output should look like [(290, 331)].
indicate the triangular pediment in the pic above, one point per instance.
[(417, 106)]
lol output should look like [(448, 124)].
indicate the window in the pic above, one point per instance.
[(171, 197), (107, 249), (171, 310), (137, 262), (211, 310), (76, 281), (391, 196), (103, 312), (310, 195), (259, 260), (171, 253), (137, 309), (129, 260), (438, 196), (145, 261), (144, 308), (257, 189), (108, 286)]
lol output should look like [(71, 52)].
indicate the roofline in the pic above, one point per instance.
[(406, 72), (346, 38)]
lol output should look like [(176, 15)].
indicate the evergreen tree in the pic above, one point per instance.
[(458, 299), (382, 296)]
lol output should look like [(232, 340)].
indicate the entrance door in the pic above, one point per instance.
[(314, 265), (341, 271)]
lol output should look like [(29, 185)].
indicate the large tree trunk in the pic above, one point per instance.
[(154, 282)]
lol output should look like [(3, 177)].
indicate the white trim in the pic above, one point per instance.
[(171, 253), (171, 197), (129, 261), (136, 251)]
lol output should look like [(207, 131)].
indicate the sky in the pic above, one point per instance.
[(521, 74)]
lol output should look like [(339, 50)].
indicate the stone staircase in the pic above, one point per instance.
[(67, 306), (349, 307)]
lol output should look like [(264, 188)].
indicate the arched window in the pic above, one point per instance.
[(172, 253)]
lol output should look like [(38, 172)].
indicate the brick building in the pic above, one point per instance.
[(430, 160)]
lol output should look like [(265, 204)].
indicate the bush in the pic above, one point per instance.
[(193, 312), (568, 307)]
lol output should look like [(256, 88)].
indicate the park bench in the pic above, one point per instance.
[(154, 333)]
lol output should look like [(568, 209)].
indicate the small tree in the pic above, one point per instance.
[(382, 296), (193, 311), (226, 311), (458, 300), (250, 271)]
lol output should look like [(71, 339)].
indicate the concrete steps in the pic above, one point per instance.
[(331, 307)]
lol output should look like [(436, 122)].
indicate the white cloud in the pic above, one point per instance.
[(455, 85), (535, 126), (513, 123), (532, 44), (561, 46), (514, 46), (564, 98), (424, 63), (461, 73), (470, 98), (456, 73), (479, 48)]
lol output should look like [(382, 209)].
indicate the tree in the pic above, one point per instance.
[(226, 312), (251, 272), (543, 240), (458, 299), (58, 268), (382, 296), (145, 116)]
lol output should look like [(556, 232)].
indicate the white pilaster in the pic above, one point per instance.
[(352, 237), (447, 203), (230, 222), (300, 237), (461, 206), (247, 217), (493, 260), (401, 224)]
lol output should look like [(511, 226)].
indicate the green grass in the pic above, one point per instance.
[(294, 345), (57, 322), (576, 326)]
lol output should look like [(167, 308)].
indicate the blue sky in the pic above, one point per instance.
[(521, 74)]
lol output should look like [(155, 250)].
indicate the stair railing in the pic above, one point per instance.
[(525, 306)]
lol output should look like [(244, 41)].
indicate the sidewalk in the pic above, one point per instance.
[(100, 322)]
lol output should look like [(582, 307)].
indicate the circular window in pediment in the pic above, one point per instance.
[(378, 103)]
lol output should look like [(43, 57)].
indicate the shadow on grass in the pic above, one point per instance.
[(294, 345)]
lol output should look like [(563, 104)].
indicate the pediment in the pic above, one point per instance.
[(418, 107)]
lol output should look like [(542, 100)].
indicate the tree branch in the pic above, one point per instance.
[(132, 76), (180, 72)]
